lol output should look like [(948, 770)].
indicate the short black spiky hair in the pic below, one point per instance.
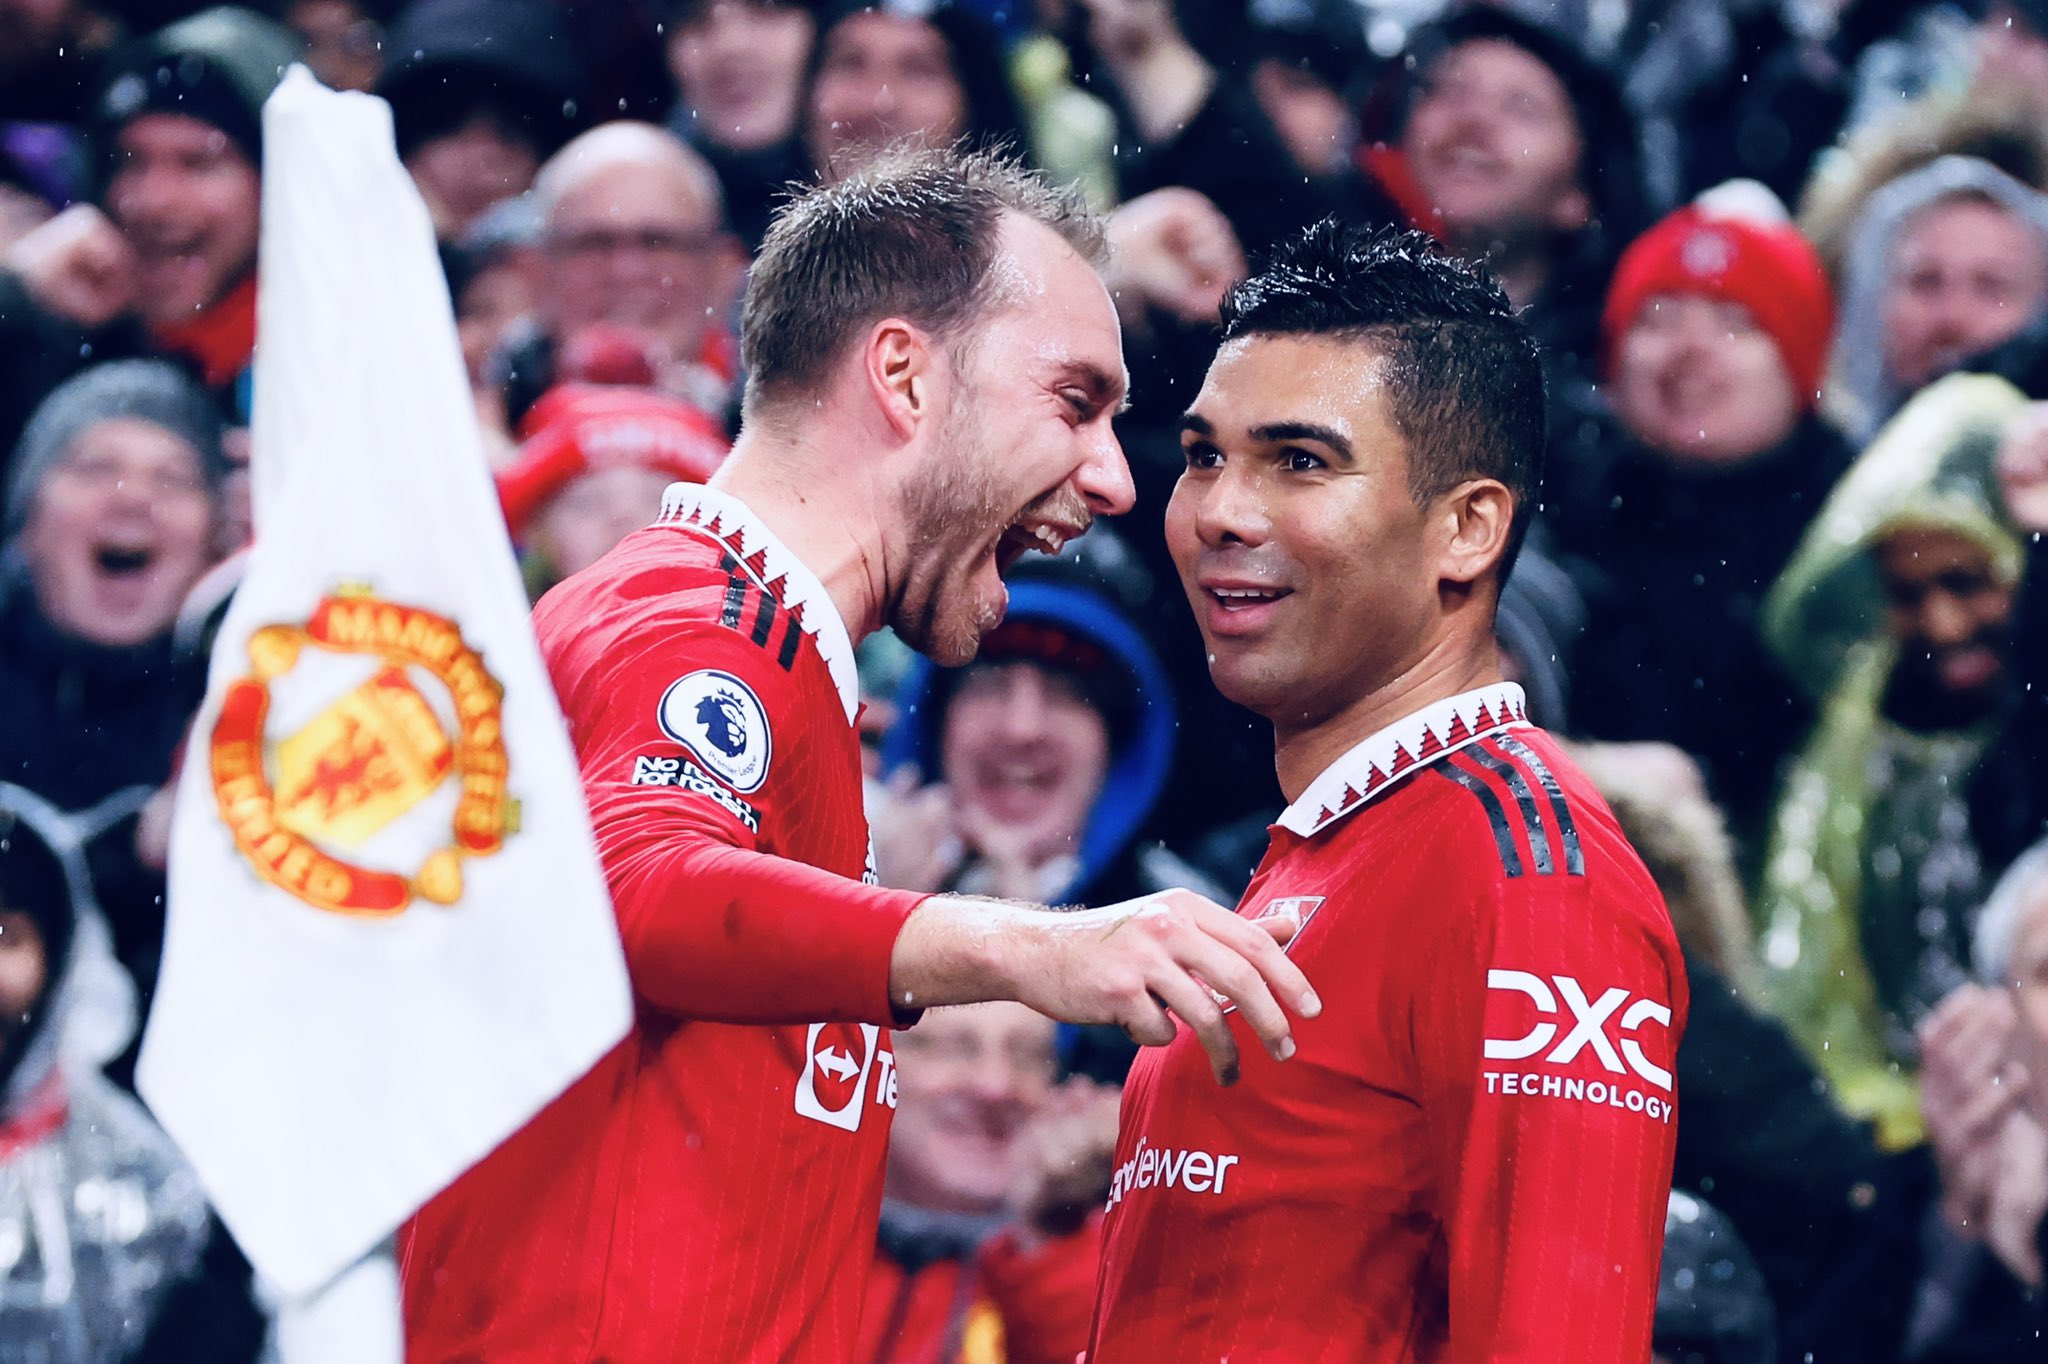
[(1464, 384)]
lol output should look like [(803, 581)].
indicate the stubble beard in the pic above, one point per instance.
[(953, 514)]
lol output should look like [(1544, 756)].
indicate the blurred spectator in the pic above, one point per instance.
[(481, 92), (1173, 255), (106, 1228), (111, 515), (621, 46), (2007, 134), (1896, 613), (1304, 63), (1712, 1306), (1680, 511), (1724, 91), (1516, 148), (1045, 756), (1660, 797), (1186, 120), (170, 266), (885, 71), (494, 282), (633, 236), (2012, 950), (1308, 67), (592, 471), (1945, 262), (30, 188), (1983, 1049), (1754, 89), (183, 123), (989, 1239), (50, 57), (1832, 1221), (739, 69), (1073, 133), (1539, 625), (344, 39), (2009, 795)]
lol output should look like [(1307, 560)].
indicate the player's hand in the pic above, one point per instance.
[(2023, 468), (1065, 1157), (1137, 965), (77, 265), (1173, 250), (1143, 963)]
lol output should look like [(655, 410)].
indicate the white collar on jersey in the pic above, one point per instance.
[(727, 519), (1410, 742)]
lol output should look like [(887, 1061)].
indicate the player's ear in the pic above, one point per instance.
[(898, 363), (1478, 515)]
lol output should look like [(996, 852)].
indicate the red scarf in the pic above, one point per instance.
[(1389, 167), (219, 340), (40, 1114)]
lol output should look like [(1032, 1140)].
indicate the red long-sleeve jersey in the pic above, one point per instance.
[(1468, 1158), (710, 1190)]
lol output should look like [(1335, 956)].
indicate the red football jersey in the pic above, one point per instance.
[(1468, 1157), (710, 1190)]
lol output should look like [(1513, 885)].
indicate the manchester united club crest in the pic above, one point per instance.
[(307, 788), (1300, 908)]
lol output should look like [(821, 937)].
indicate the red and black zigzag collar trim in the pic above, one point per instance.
[(779, 572), (1409, 743)]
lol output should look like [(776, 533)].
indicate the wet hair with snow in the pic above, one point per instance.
[(911, 234), (1464, 385)]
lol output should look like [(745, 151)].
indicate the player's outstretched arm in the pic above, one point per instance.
[(1129, 964)]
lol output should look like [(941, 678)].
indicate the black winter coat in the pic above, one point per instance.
[(1833, 1222), (1675, 564), (83, 723)]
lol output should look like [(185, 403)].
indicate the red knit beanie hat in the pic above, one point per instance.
[(1764, 265), (576, 429)]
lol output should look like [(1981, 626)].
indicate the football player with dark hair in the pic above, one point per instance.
[(1469, 1157)]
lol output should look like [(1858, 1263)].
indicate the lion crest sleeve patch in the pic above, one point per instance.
[(724, 725)]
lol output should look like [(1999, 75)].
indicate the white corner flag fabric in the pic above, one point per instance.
[(390, 942)]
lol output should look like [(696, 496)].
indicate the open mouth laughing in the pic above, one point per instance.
[(1030, 533)]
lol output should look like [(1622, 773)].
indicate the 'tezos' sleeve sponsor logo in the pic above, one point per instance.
[(1611, 1029)]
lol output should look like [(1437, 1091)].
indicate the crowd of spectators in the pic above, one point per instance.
[(1788, 260)]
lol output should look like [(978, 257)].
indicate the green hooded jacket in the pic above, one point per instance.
[(1870, 871)]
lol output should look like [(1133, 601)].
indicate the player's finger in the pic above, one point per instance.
[(1281, 927), (1258, 942), (1145, 1022), (1194, 1006), (1227, 973)]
